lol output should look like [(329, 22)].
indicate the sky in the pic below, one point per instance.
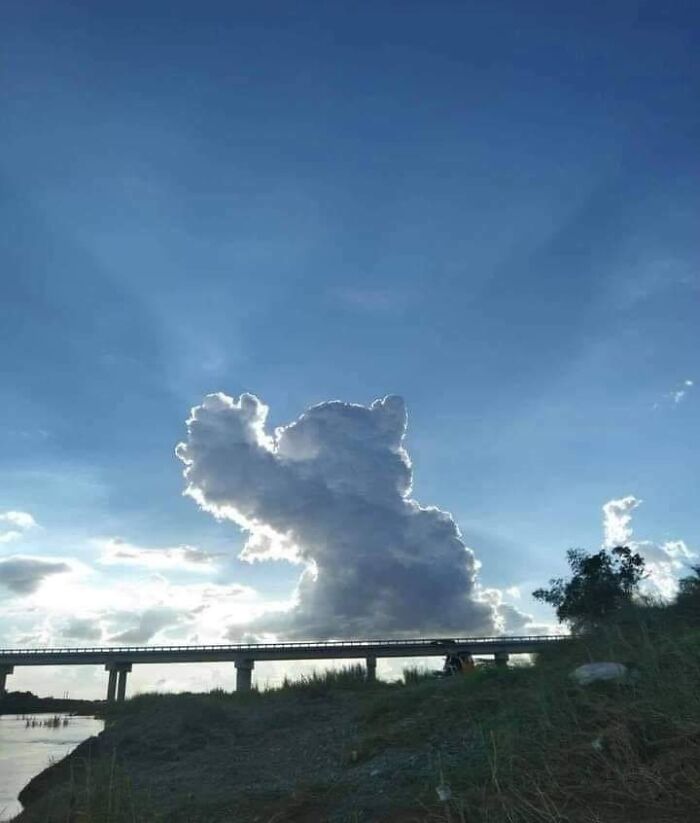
[(415, 285)]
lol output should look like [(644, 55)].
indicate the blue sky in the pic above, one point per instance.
[(486, 208)]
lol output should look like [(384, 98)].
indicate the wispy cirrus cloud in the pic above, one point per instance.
[(679, 394), (676, 395)]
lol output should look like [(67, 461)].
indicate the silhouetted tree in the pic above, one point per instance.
[(690, 586), (600, 585), (688, 598)]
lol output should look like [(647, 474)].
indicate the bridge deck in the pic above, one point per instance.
[(337, 649)]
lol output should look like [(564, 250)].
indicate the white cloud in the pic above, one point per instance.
[(22, 520), (617, 517), (664, 562), (19, 523), (508, 617), (156, 607), (265, 544), (90, 605), (115, 551), (677, 395), (57, 599), (332, 490)]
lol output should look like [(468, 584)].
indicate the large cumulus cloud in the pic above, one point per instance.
[(332, 491)]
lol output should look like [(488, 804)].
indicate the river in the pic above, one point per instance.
[(26, 751)]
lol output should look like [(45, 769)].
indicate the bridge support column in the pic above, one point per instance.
[(116, 685), (371, 664), (4, 671), (123, 670), (244, 675), (111, 682), (501, 659)]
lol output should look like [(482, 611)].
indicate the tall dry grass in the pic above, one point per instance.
[(550, 751)]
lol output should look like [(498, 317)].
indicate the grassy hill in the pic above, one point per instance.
[(524, 744)]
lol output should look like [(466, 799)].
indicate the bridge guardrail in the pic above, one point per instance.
[(262, 647)]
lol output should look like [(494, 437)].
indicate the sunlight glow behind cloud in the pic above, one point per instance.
[(333, 490)]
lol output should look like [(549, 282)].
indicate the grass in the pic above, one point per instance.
[(416, 674), (347, 677), (517, 745), (92, 790), (543, 750)]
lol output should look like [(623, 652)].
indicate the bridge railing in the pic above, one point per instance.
[(329, 644)]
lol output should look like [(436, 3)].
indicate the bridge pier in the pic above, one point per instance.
[(116, 685), (501, 659), (244, 674), (111, 683), (124, 669), (4, 671), (371, 664)]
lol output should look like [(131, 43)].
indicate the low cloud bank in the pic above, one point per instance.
[(24, 575), (332, 491)]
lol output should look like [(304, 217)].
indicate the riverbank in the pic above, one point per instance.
[(28, 703), (29, 742), (523, 745)]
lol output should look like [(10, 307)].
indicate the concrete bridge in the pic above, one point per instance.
[(118, 661)]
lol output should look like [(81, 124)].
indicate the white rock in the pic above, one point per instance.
[(591, 672)]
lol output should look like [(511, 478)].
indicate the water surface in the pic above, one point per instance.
[(24, 752)]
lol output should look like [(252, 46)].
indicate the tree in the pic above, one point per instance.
[(688, 598), (690, 586), (600, 585)]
